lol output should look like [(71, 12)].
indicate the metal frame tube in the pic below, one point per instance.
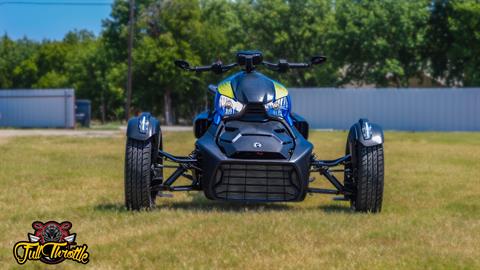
[(323, 167), (323, 191)]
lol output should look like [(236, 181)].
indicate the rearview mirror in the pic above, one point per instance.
[(317, 60), (182, 64)]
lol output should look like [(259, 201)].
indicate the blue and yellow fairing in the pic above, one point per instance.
[(253, 87)]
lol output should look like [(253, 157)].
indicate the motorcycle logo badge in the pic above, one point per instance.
[(51, 243)]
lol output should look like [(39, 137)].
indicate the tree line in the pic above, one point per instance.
[(379, 42)]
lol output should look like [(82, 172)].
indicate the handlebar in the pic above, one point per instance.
[(298, 65), (201, 68), (216, 67), (282, 65)]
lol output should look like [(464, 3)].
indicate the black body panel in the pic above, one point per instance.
[(260, 140), (212, 158), (253, 87)]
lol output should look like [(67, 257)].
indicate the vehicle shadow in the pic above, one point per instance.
[(198, 202), (221, 206), (199, 205), (335, 208)]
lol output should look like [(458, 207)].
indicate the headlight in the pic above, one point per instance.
[(279, 107), (227, 106)]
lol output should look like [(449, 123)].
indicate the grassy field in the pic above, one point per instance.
[(430, 218)]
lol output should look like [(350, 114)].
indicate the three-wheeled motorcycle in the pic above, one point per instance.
[(252, 147)]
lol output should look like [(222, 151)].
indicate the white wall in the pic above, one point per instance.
[(37, 108)]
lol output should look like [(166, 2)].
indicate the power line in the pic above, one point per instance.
[(51, 3)]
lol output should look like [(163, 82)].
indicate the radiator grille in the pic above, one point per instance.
[(253, 182), (255, 109)]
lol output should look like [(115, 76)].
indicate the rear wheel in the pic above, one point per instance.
[(139, 174), (365, 176)]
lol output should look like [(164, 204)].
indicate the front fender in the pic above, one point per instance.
[(143, 127), (368, 134), (201, 123), (300, 124)]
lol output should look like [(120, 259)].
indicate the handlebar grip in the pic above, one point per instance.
[(298, 65)]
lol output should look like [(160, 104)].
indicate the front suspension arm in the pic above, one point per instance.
[(184, 164), (323, 167)]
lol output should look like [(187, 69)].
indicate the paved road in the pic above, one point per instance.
[(6, 133), (58, 132)]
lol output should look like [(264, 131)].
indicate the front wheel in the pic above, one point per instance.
[(138, 174), (365, 177)]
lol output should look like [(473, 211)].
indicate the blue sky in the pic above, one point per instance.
[(40, 22)]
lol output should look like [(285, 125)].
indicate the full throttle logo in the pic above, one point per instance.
[(51, 243)]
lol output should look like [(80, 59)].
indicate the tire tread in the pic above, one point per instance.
[(138, 161), (369, 179)]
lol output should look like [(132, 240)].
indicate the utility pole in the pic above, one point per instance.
[(131, 23)]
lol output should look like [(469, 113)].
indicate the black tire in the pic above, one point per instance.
[(366, 178), (138, 174)]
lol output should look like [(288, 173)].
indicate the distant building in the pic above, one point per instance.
[(39, 108)]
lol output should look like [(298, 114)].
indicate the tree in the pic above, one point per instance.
[(17, 66), (438, 40), (379, 41), (452, 48), (293, 30), (464, 53), (172, 30)]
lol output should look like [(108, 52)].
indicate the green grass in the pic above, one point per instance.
[(430, 218)]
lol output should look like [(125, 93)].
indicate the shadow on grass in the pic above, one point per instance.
[(223, 206), (110, 207), (335, 208), (206, 206), (200, 203)]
